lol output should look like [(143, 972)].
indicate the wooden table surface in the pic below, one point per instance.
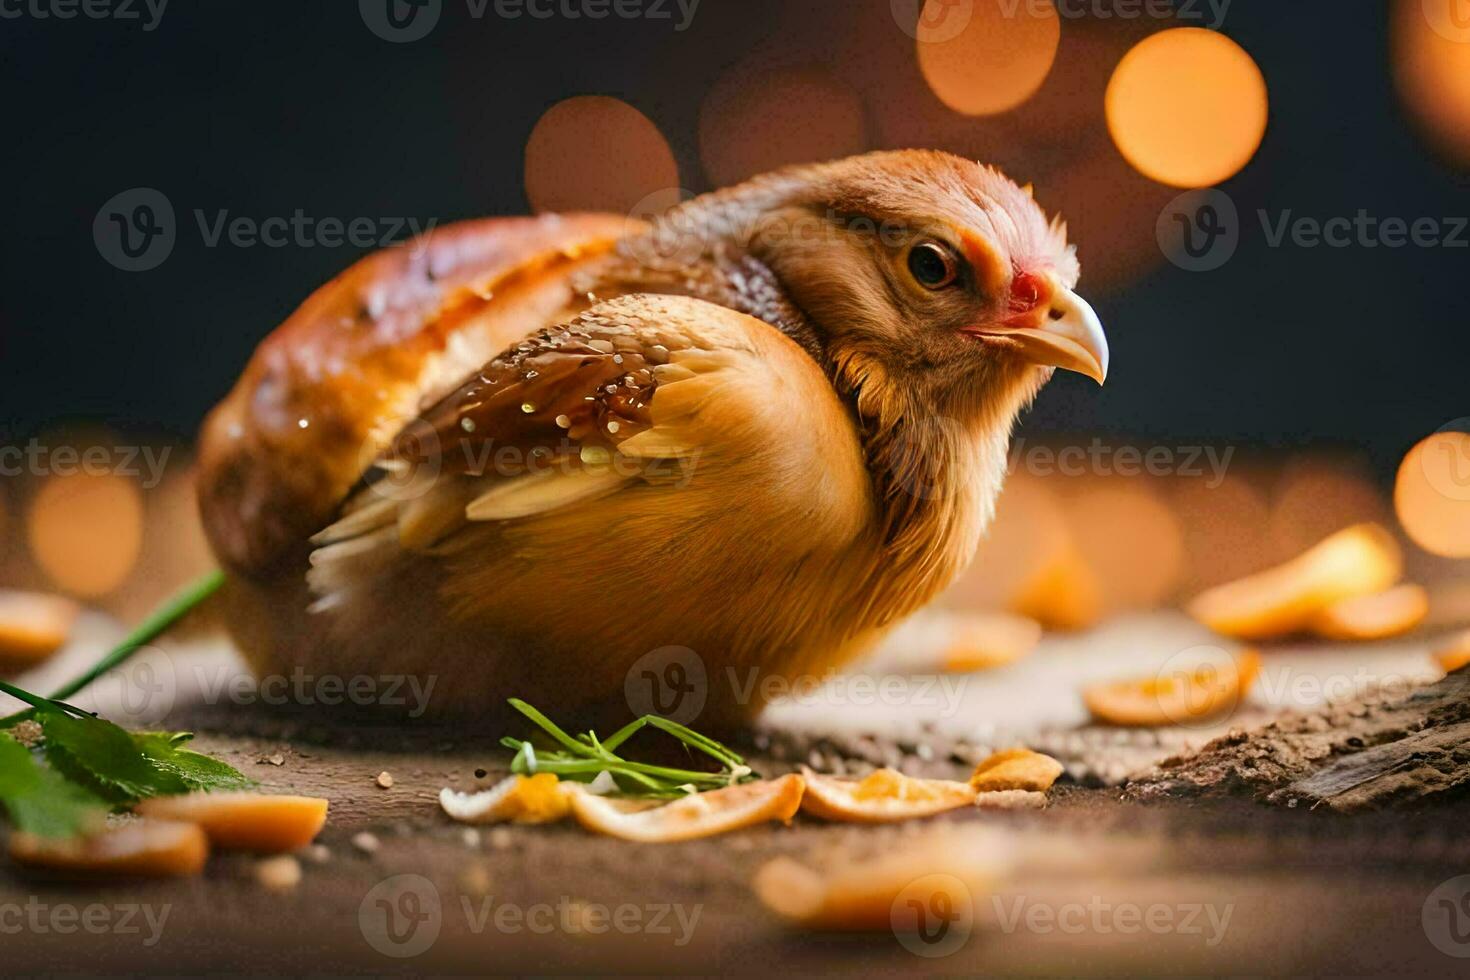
[(1089, 885)]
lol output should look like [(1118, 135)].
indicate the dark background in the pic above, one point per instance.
[(263, 108)]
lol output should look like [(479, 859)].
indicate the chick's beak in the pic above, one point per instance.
[(1064, 333)]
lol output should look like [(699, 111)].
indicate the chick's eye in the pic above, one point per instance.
[(932, 265)]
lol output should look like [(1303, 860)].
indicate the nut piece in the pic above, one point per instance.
[(1358, 561), (139, 848), (1016, 769), (281, 873), (245, 821), (385, 780)]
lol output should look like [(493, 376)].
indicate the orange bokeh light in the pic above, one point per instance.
[(1432, 494), (1431, 63), (596, 153), (1187, 107), (755, 120), (86, 530), (996, 61)]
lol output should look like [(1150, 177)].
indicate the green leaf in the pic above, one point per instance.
[(197, 771), (104, 759), (40, 800)]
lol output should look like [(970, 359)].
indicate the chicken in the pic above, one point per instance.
[(519, 454)]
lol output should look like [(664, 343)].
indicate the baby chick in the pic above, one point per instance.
[(518, 455)]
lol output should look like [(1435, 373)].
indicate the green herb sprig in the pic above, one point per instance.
[(62, 768), (583, 757)]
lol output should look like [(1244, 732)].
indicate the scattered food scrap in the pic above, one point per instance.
[(33, 626), (943, 870), (281, 873), (1358, 561), (1378, 616), (697, 815), (541, 798), (1454, 654), (1016, 769), (245, 821), (137, 848), (1172, 697), (883, 796)]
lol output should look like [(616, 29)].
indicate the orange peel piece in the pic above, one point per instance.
[(948, 870), (1379, 616), (1455, 654), (716, 811), (245, 821), (33, 626), (983, 641), (883, 796), (541, 798), (1063, 595), (1015, 769), (137, 849), (1175, 697), (1357, 561)]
